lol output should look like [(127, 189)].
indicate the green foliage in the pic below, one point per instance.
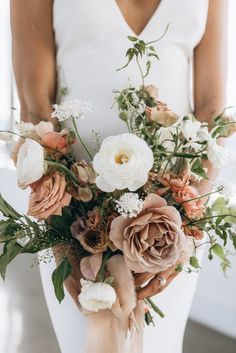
[(194, 262), (198, 169), (7, 210), (61, 273), (10, 252)]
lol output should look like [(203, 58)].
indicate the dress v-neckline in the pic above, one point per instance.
[(148, 24)]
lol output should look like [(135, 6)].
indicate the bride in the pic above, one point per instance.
[(79, 44)]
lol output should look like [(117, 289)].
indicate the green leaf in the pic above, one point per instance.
[(133, 39), (220, 206), (61, 273), (10, 252), (198, 169), (7, 210), (194, 262), (8, 229), (218, 251)]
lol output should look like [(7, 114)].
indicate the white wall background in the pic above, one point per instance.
[(215, 299)]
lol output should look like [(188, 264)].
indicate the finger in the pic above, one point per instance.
[(154, 286), (169, 280), (149, 290), (141, 278)]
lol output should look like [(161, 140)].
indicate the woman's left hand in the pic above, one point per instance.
[(156, 283)]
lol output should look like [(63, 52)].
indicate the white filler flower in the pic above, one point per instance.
[(129, 205), (96, 296), (71, 109), (30, 163), (190, 128), (123, 161), (24, 128)]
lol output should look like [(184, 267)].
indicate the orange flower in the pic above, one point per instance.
[(55, 141), (193, 208), (48, 197), (174, 183), (193, 232)]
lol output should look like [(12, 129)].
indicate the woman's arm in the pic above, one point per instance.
[(34, 57), (210, 64), (35, 72), (210, 58), (210, 73)]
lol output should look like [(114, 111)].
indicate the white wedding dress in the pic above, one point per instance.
[(91, 38)]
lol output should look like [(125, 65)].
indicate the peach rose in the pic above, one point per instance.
[(48, 197), (154, 240), (193, 208), (161, 114), (173, 182), (193, 232), (55, 141)]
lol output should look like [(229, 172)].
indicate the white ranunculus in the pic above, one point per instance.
[(190, 129), (30, 163), (216, 154), (123, 161), (96, 296)]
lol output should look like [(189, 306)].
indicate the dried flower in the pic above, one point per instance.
[(84, 172), (162, 115)]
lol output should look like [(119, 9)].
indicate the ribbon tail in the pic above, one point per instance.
[(119, 330)]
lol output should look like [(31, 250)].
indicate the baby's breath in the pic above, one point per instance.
[(129, 205)]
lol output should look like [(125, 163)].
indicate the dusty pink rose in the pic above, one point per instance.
[(161, 114), (152, 241), (55, 141), (193, 208), (48, 197)]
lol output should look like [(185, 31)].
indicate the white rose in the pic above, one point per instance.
[(123, 161), (30, 163), (216, 154), (96, 296)]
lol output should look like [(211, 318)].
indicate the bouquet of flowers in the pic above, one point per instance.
[(134, 205)]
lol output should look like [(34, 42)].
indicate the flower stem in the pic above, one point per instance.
[(80, 139), (155, 308), (141, 71), (64, 169), (203, 196)]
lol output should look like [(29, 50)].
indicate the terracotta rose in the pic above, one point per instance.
[(154, 240), (48, 196)]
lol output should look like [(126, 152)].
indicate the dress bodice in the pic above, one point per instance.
[(91, 39)]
